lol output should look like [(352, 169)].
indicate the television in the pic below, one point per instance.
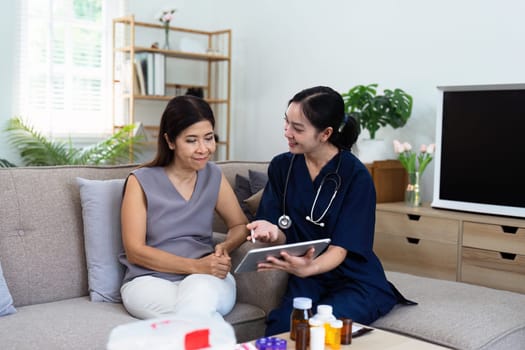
[(480, 149)]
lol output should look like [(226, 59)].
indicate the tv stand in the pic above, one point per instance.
[(480, 249)]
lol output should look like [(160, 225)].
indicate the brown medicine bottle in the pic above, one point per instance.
[(301, 313), (301, 336)]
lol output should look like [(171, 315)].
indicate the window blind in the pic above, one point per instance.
[(64, 62)]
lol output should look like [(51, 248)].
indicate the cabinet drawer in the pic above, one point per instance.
[(417, 256), (494, 237), (418, 226), (493, 269)]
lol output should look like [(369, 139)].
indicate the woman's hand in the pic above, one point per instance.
[(215, 265), (264, 231), (221, 250)]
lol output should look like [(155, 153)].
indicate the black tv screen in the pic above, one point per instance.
[(480, 154)]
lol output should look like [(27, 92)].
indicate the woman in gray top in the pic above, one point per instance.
[(172, 267)]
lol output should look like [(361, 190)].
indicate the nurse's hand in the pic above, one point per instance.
[(301, 266), (306, 265), (265, 231)]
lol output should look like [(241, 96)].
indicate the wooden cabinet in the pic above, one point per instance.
[(493, 254), (414, 241), (195, 59), (480, 249)]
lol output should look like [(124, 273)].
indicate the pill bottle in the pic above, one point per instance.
[(302, 311), (334, 334), (302, 335), (346, 331), (324, 314), (317, 334)]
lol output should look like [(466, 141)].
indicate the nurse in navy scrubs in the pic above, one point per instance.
[(319, 189)]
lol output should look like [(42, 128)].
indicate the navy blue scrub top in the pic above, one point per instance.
[(349, 222)]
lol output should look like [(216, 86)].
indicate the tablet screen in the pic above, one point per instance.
[(258, 255)]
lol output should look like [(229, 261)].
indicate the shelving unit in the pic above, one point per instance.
[(202, 59)]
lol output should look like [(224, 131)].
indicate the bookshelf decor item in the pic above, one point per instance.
[(166, 18), (166, 45), (146, 77)]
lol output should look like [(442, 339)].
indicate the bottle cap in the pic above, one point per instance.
[(302, 303), (324, 309), (315, 322), (336, 324)]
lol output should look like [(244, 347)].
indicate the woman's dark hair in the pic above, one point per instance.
[(180, 113), (324, 107)]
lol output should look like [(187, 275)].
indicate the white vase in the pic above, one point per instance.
[(369, 150)]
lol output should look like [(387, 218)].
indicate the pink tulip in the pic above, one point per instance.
[(423, 148), (398, 147), (431, 148), (407, 146)]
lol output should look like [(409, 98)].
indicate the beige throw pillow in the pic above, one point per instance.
[(253, 201)]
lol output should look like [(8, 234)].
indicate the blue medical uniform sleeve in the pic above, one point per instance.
[(355, 223)]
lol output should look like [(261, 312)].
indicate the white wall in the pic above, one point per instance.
[(280, 47)]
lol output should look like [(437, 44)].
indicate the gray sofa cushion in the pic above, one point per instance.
[(101, 201), (457, 315), (81, 324), (67, 324)]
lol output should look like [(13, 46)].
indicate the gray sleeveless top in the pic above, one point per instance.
[(180, 227)]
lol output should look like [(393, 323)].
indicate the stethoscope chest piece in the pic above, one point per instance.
[(284, 222)]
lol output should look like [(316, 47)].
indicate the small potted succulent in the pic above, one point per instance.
[(374, 111)]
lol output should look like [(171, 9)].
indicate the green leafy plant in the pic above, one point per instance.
[(4, 163), (36, 149), (374, 111)]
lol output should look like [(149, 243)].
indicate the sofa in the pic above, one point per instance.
[(47, 258)]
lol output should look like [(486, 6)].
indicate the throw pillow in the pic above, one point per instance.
[(6, 300), (253, 201), (242, 191), (258, 180), (101, 200)]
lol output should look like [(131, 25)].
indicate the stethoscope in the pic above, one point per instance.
[(285, 221)]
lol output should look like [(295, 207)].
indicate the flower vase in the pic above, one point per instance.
[(412, 192), (166, 45)]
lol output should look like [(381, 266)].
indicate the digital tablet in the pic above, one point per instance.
[(258, 255)]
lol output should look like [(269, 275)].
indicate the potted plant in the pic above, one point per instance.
[(374, 111), (36, 149)]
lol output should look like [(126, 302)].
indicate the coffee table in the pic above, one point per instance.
[(377, 340)]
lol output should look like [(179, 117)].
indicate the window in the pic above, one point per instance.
[(63, 73)]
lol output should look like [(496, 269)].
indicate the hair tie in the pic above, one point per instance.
[(343, 123)]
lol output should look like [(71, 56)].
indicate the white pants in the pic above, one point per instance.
[(195, 297)]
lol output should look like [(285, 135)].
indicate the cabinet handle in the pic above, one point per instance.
[(507, 256), (509, 229), (413, 240), (413, 217)]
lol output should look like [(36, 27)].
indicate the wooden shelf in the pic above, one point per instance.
[(176, 54), (216, 70)]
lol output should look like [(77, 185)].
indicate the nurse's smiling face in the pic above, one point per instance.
[(302, 136)]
